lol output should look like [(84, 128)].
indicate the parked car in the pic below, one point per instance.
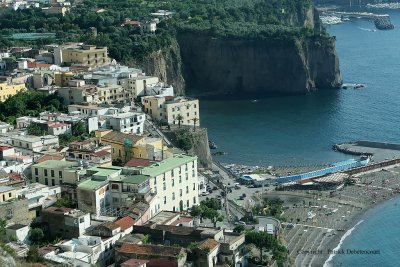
[(205, 193), (237, 186), (209, 191), (215, 187), (240, 223)]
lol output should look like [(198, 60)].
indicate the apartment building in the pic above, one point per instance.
[(128, 122), (174, 180), (55, 172), (89, 151), (179, 110), (137, 85), (10, 89), (86, 55)]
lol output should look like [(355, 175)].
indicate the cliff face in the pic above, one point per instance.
[(167, 65), (241, 67)]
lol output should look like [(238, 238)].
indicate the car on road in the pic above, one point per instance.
[(210, 190), (237, 186), (205, 193), (240, 223)]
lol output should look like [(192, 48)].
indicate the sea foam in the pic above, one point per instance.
[(327, 263)]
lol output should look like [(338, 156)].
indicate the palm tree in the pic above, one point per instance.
[(195, 120), (179, 118)]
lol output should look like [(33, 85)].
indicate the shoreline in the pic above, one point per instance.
[(357, 220), (311, 241)]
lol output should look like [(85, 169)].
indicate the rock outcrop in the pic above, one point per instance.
[(167, 65)]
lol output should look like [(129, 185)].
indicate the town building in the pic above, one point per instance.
[(15, 211), (136, 86), (175, 182), (86, 55), (129, 122), (18, 231), (127, 146), (89, 151), (206, 253), (232, 249), (65, 222), (10, 89), (32, 143), (156, 255), (180, 110), (7, 193), (55, 172)]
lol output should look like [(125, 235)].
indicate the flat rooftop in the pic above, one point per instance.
[(167, 164)]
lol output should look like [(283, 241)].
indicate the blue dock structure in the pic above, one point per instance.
[(336, 167)]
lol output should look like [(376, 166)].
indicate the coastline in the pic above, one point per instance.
[(312, 242)]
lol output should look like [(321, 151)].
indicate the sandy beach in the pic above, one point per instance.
[(318, 220)]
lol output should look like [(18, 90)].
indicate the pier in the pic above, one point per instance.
[(381, 21)]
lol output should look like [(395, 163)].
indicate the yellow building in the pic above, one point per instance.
[(62, 79), (7, 90), (137, 85), (86, 55), (169, 110), (7, 193), (127, 146)]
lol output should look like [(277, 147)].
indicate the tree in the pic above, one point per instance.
[(262, 240), (179, 118), (33, 255), (239, 228), (36, 235), (78, 129), (184, 140), (35, 129)]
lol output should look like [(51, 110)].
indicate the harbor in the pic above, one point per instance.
[(381, 21)]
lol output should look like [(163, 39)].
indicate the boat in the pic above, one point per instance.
[(310, 215), (359, 86), (219, 153), (212, 145)]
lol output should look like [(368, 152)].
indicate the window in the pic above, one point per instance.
[(186, 167), (53, 182), (173, 196), (36, 171), (46, 181), (165, 200), (173, 182), (187, 189), (172, 173), (114, 186), (192, 164), (193, 173), (194, 186), (194, 200), (45, 172), (180, 192), (52, 173), (187, 176), (155, 180), (9, 194), (60, 174), (187, 203), (115, 200), (164, 187), (180, 179)]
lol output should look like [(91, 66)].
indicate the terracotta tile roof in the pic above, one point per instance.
[(181, 220), (49, 157), (2, 148), (132, 22), (133, 263), (121, 137), (209, 243), (102, 153), (138, 163), (110, 225), (58, 125), (150, 250), (125, 222)]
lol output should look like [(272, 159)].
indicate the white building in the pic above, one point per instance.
[(39, 195), (129, 122), (59, 128), (32, 142), (5, 127), (159, 89), (18, 231)]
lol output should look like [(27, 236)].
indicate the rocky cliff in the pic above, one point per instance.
[(167, 65), (214, 66), (208, 66)]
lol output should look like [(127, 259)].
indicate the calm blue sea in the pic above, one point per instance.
[(300, 130)]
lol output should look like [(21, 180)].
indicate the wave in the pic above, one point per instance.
[(327, 262), (365, 29)]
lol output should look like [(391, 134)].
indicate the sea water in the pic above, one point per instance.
[(301, 129)]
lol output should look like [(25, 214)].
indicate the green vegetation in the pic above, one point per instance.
[(33, 255), (28, 103), (65, 202), (208, 209), (184, 140), (259, 19), (36, 235), (264, 241)]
